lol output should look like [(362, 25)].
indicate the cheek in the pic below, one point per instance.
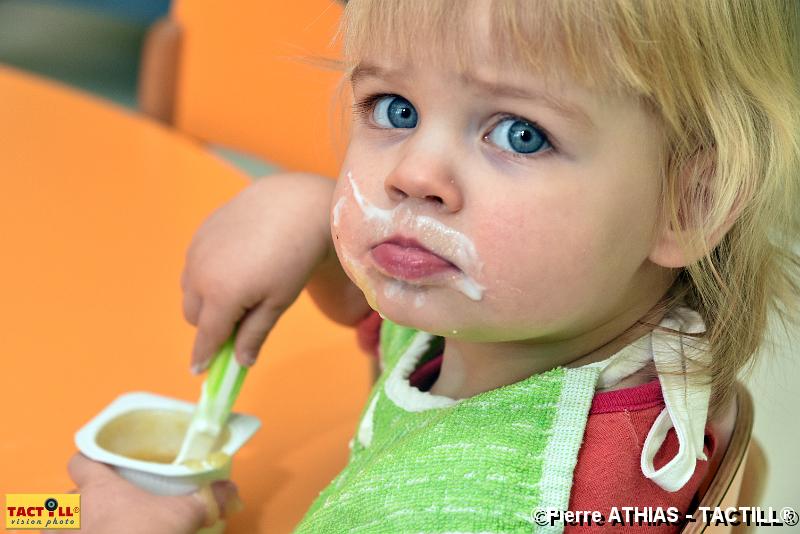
[(541, 259), (356, 222), (350, 238), (343, 221)]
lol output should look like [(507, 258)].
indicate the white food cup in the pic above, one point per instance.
[(139, 434)]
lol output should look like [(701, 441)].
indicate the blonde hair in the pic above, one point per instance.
[(722, 78)]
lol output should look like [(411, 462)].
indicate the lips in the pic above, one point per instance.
[(407, 259)]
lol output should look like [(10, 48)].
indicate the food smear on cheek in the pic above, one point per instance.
[(337, 210), (354, 268), (379, 224)]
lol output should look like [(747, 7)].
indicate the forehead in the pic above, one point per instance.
[(488, 39)]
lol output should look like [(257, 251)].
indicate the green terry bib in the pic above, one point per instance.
[(428, 463)]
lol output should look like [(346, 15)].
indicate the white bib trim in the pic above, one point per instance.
[(398, 386)]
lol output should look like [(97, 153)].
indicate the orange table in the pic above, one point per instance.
[(97, 207)]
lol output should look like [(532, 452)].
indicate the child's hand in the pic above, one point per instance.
[(110, 503), (251, 258)]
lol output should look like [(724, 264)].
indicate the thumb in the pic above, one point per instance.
[(252, 332), (218, 500)]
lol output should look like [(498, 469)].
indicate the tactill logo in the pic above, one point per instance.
[(36, 511)]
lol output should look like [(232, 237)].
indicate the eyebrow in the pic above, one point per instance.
[(568, 110)]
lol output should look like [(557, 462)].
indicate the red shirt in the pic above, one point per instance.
[(608, 471)]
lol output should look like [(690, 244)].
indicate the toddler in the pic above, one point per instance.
[(560, 226)]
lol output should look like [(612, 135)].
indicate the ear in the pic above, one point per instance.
[(667, 250)]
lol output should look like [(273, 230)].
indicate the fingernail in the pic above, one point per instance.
[(199, 367), (248, 359), (233, 504)]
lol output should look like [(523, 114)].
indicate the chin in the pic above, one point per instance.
[(428, 319)]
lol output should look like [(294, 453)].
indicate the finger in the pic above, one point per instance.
[(81, 470), (194, 511), (226, 495), (210, 503), (192, 304), (253, 330), (213, 328)]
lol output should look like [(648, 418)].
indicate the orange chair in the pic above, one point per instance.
[(726, 483), (240, 78)]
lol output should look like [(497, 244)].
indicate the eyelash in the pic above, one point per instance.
[(364, 109)]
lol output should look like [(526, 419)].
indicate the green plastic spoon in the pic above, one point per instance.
[(219, 392)]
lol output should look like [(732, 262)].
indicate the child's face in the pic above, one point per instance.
[(549, 216)]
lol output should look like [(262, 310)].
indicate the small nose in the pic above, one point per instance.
[(426, 181)]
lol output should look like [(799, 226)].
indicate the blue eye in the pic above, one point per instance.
[(395, 112), (518, 136)]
